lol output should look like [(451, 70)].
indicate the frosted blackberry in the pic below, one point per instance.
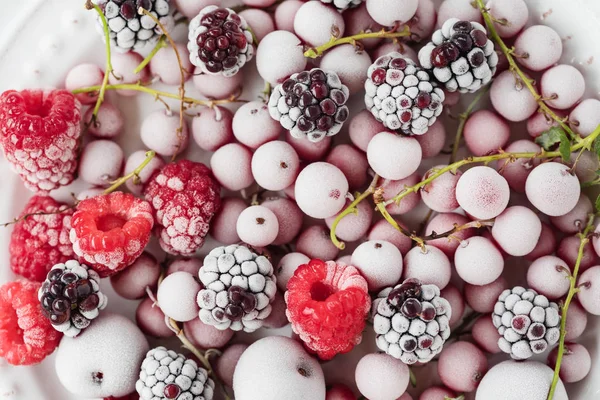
[(527, 321), (460, 56), (411, 321), (166, 374), (239, 287), (310, 104), (400, 95), (220, 41), (71, 298), (342, 5), (131, 30)]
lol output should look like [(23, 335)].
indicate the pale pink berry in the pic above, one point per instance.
[(388, 12), (392, 156), (482, 192), (259, 3), (350, 64), (307, 150), (287, 266), (562, 86), (461, 9), (131, 283), (162, 132), (89, 193), (151, 319), (315, 242), (457, 303), (275, 165), (549, 275), (517, 230), (485, 334), (108, 123), (279, 55), (486, 132), (568, 250), (177, 296), (358, 20), (516, 172), (191, 8), (223, 224), (432, 142), (347, 259), (253, 126), (539, 123), (260, 21), (577, 319), (461, 366), (444, 222), (277, 318), (541, 44), (211, 128), (512, 99), (285, 13), (231, 166), (136, 159), (574, 221), (452, 98), (84, 75), (225, 364), (101, 162), (545, 245), (164, 64), (440, 194), (352, 162), (381, 376), (353, 226), (339, 392), (587, 166), (482, 298), (552, 189), (206, 336), (362, 128), (189, 265), (379, 262), (589, 290), (391, 47), (585, 117), (314, 22), (423, 23), (382, 230), (429, 265), (515, 12), (478, 261), (289, 217), (576, 362), (437, 393), (320, 190), (123, 66), (217, 86), (257, 226)]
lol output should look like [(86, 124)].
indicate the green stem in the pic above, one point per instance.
[(162, 42), (335, 41), (528, 82), (109, 68), (565, 308), (463, 120), (412, 377), (134, 174)]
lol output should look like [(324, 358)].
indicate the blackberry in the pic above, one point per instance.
[(527, 321), (71, 298), (411, 321), (310, 103), (239, 287), (342, 5), (460, 56), (400, 95), (130, 29), (220, 41), (166, 374)]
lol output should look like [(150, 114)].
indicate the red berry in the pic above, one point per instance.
[(171, 391), (327, 305), (26, 336), (479, 38), (109, 232), (40, 241), (378, 76), (423, 100), (39, 131), (444, 54), (184, 198)]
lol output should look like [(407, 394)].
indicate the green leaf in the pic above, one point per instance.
[(565, 148), (598, 203), (551, 137), (597, 146)]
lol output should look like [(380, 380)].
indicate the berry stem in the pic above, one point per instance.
[(514, 67), (466, 322), (584, 237), (335, 41), (412, 377), (27, 216), (190, 346), (458, 228), (109, 68), (135, 174), (161, 43), (463, 120)]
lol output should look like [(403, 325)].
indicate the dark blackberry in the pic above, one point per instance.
[(310, 104), (131, 30), (460, 56), (70, 297), (220, 41)]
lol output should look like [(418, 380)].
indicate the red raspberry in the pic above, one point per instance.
[(39, 131), (327, 304), (38, 242), (184, 197), (26, 336), (110, 231)]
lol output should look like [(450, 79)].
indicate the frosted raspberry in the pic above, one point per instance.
[(26, 336), (184, 198), (39, 131), (40, 241), (328, 304), (109, 232)]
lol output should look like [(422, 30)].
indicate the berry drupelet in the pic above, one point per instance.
[(460, 56), (411, 321), (400, 95), (71, 297), (310, 104), (220, 41)]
